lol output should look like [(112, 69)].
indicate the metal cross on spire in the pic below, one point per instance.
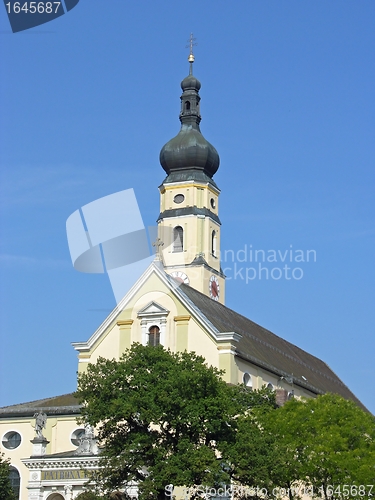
[(191, 43)]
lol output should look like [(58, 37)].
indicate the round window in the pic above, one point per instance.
[(213, 203), (179, 198), (76, 436), (11, 440)]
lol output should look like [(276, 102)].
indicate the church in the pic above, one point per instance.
[(178, 302)]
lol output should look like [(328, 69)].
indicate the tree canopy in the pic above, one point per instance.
[(326, 442), (89, 495), (162, 418), (169, 419), (316, 446)]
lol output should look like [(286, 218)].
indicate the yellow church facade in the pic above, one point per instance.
[(178, 302)]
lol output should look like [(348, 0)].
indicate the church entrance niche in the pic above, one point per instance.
[(55, 496)]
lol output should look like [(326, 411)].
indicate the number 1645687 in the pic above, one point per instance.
[(33, 7)]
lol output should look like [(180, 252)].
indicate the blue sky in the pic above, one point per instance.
[(88, 101)]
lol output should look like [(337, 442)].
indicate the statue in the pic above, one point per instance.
[(68, 491), (87, 443), (40, 424), (89, 431)]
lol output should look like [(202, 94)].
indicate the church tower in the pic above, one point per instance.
[(189, 224)]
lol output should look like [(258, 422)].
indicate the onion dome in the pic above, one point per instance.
[(189, 152), (190, 83)]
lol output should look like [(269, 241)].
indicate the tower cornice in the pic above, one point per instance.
[(189, 184), (188, 211)]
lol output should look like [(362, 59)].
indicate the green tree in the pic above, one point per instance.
[(327, 442), (89, 495), (160, 418), (321, 444), (251, 455), (6, 491)]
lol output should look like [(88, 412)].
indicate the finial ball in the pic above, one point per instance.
[(191, 58)]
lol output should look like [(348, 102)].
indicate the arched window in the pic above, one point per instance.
[(178, 239), (187, 105), (247, 380), (154, 336), (213, 243), (15, 480), (270, 386)]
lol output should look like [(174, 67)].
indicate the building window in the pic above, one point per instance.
[(76, 436), (152, 316), (213, 243), (270, 386), (179, 198), (187, 105), (15, 480), (178, 239), (247, 380), (154, 336), (11, 440)]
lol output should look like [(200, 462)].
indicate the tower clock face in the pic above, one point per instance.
[(180, 276), (214, 288)]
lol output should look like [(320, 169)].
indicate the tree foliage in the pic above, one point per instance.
[(6, 491), (251, 455), (165, 418), (321, 444), (89, 495), (162, 418), (326, 442)]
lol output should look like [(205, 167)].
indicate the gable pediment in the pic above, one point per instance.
[(152, 309), (153, 279)]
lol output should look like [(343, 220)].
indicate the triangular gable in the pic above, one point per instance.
[(154, 268), (174, 287), (152, 309)]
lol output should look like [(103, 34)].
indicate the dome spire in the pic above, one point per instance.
[(189, 154), (191, 57)]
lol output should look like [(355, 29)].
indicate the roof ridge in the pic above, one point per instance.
[(33, 402)]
